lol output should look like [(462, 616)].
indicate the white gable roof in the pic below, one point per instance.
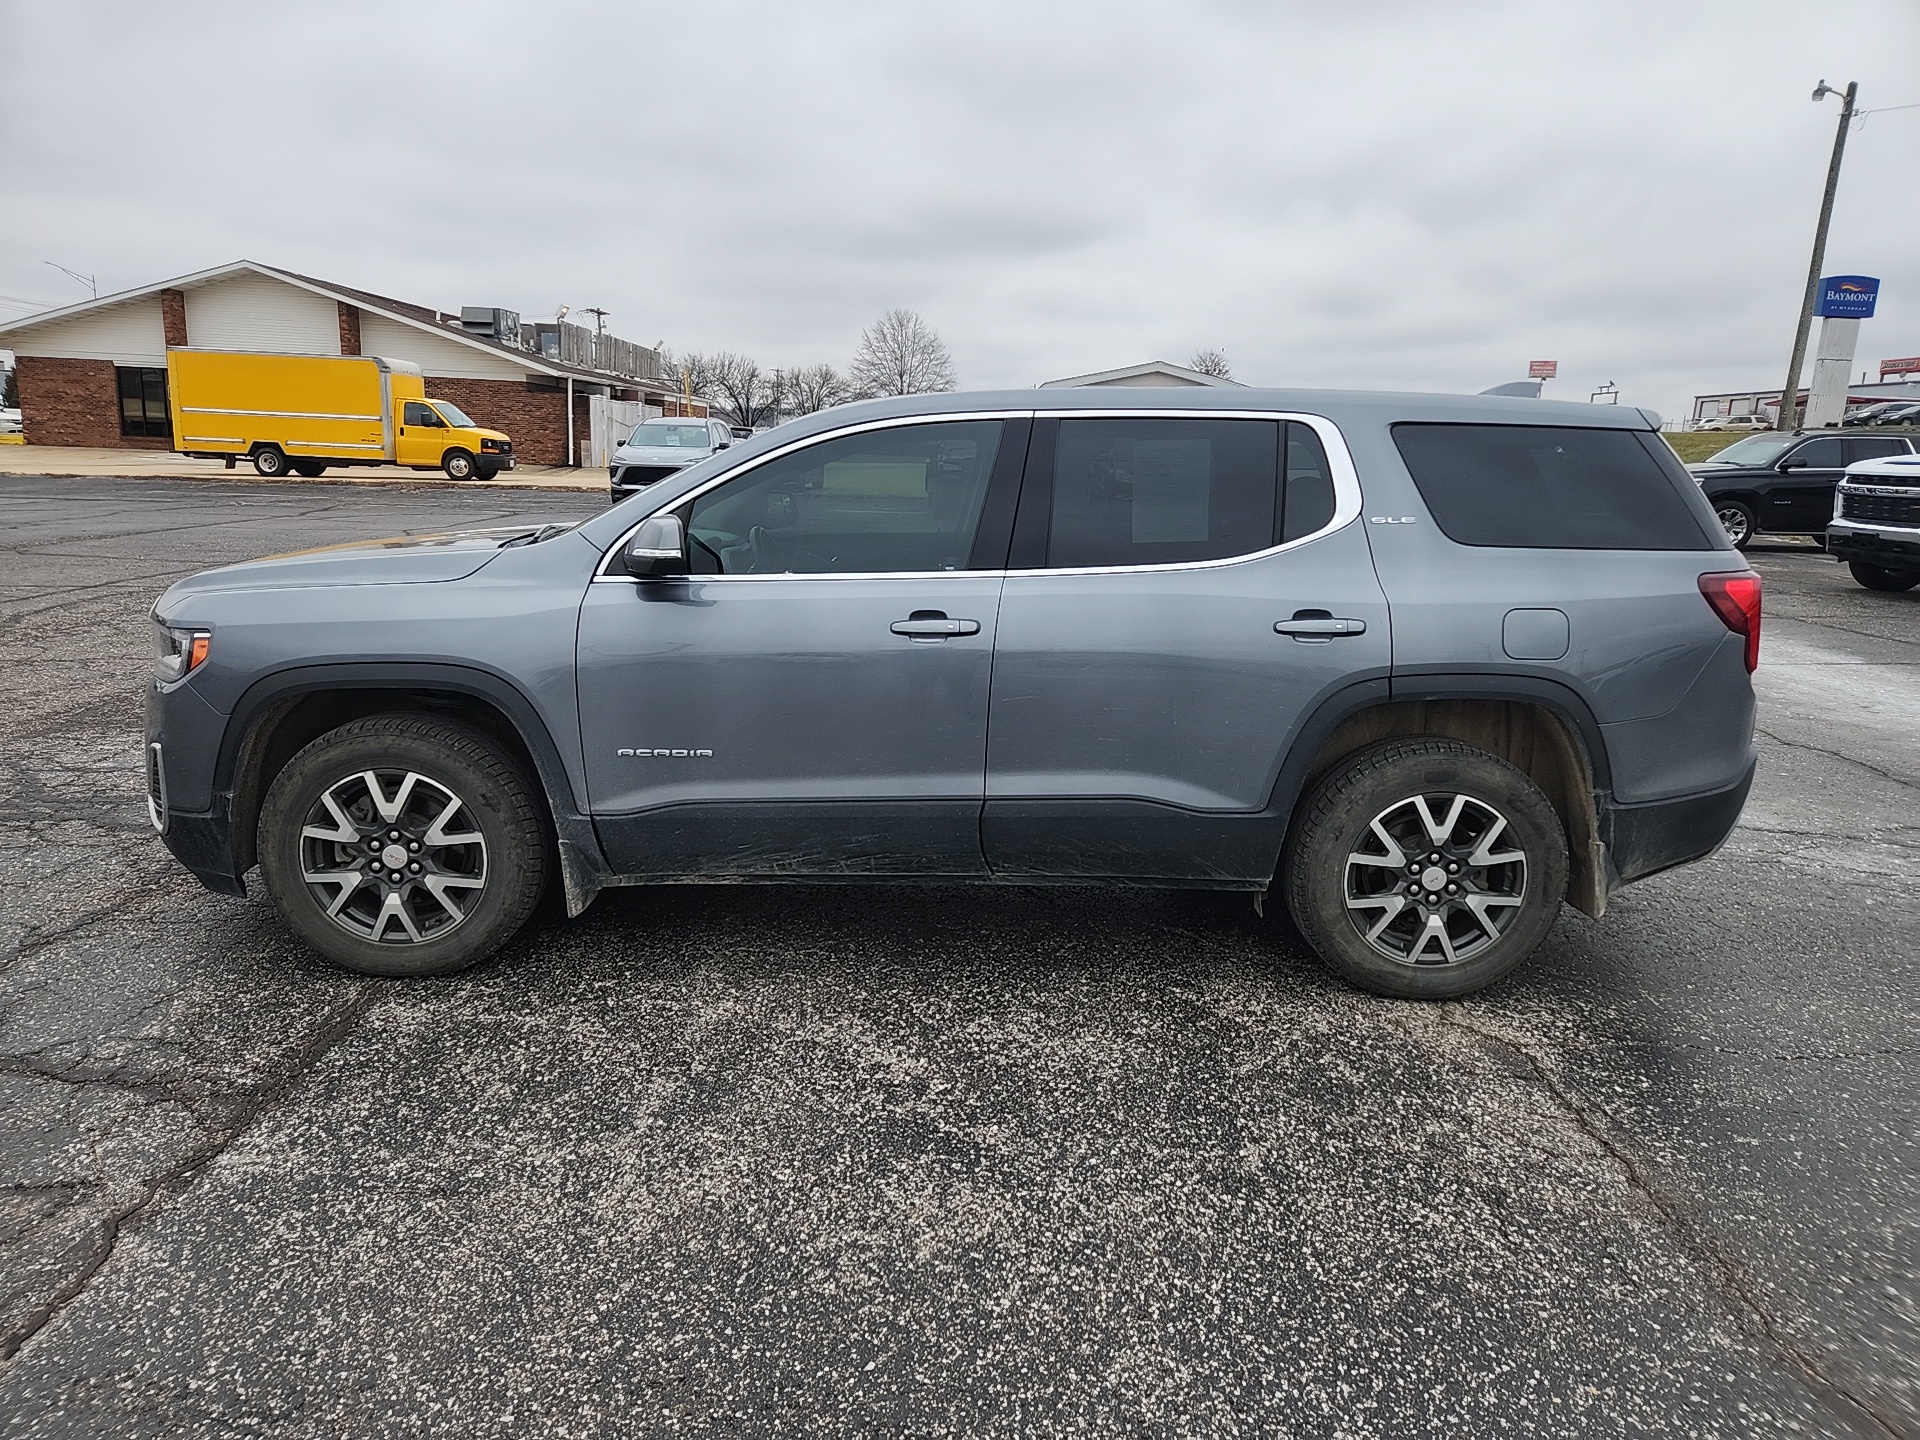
[(399, 312), (1153, 372)]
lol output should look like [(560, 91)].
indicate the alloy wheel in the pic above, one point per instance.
[(393, 856), (1735, 522), (1433, 880)]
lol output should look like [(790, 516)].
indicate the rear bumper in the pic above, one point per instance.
[(1893, 545), (1643, 840)]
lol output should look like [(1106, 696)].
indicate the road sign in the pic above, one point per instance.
[(1542, 369), (1848, 297), (1908, 366)]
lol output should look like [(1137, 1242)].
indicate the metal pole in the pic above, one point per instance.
[(1790, 393), (569, 419)]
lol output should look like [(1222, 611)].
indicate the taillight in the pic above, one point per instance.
[(1735, 599)]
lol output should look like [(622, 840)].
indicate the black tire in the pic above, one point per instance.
[(1334, 840), (1883, 577), (1737, 519), (459, 464), (312, 469), (487, 888), (270, 461), (485, 471)]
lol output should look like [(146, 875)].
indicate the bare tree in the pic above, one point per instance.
[(692, 374), (808, 388), (900, 354), (1211, 362), (745, 394)]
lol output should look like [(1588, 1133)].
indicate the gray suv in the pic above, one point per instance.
[(1421, 667)]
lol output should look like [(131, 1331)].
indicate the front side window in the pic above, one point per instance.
[(1823, 454), (907, 498), (419, 413), (143, 400), (1551, 487), (1162, 491)]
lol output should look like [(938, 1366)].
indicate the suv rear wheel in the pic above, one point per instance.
[(1424, 868), (402, 845), (1883, 577)]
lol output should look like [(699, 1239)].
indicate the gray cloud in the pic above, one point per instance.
[(1367, 194)]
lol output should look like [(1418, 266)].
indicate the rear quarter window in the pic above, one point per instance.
[(1552, 487)]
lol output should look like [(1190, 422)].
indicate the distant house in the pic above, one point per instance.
[(1154, 372), (95, 373)]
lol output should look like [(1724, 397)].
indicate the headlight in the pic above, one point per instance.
[(178, 652)]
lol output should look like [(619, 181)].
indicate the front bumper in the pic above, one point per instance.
[(629, 479), (1896, 546), (1643, 840), (183, 733)]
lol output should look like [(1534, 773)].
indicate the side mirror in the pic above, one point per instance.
[(724, 445), (658, 548), (1788, 466)]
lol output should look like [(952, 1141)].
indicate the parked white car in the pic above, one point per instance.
[(10, 423), (1734, 422)]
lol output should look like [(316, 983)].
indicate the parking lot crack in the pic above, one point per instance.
[(240, 1114), (1676, 1216), (1835, 755)]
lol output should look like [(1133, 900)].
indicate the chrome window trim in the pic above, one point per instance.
[(1346, 493)]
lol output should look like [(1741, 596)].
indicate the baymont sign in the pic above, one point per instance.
[(1848, 297)]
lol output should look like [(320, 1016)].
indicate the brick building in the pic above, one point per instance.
[(95, 373)]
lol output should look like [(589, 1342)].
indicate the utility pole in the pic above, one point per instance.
[(1790, 393), (599, 335)]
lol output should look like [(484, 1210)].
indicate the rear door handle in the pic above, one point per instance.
[(1319, 627), (934, 627)]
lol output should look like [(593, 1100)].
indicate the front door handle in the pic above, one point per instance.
[(932, 625), (1319, 627)]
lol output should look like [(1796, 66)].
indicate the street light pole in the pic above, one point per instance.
[(1790, 393)]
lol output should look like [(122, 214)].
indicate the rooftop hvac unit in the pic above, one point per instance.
[(493, 324)]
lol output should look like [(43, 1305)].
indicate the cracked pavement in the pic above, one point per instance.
[(822, 1160)]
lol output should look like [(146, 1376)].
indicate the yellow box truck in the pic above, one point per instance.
[(306, 412)]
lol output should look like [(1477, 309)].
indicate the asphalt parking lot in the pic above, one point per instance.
[(812, 1160)]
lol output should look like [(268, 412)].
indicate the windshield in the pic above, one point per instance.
[(452, 413), (670, 436), (1754, 450)]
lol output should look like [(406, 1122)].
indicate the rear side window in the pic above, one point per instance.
[(1873, 447), (1308, 494), (1550, 487), (1158, 492)]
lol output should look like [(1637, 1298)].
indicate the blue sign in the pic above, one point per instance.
[(1850, 297)]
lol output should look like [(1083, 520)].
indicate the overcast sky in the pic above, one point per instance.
[(1377, 194)]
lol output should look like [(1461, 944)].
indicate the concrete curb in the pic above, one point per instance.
[(233, 477)]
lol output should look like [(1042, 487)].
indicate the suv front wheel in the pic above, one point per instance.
[(402, 845), (1883, 577), (1425, 869), (1737, 519)]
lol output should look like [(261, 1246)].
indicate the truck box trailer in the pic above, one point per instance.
[(306, 412)]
